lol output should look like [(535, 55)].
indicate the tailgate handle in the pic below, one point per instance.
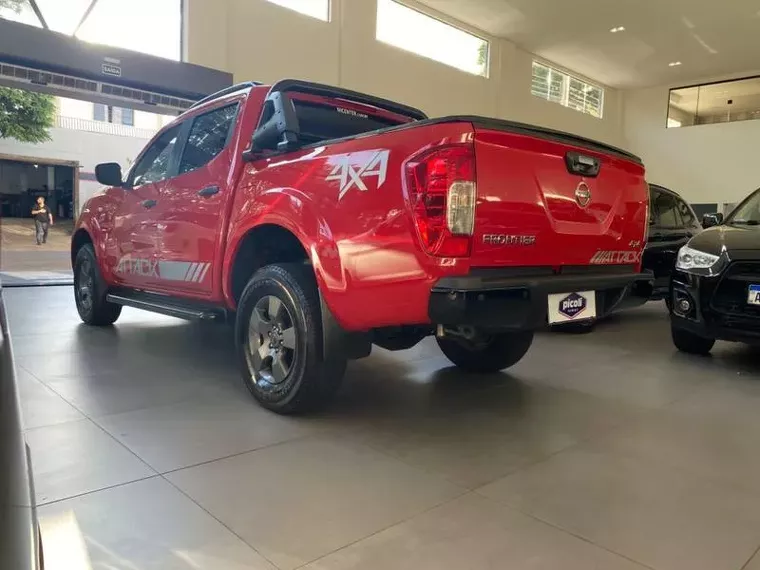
[(582, 164)]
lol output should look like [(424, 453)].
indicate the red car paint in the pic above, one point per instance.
[(364, 245)]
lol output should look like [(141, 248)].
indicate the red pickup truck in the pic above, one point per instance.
[(325, 221)]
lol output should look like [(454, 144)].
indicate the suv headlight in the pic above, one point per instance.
[(698, 262)]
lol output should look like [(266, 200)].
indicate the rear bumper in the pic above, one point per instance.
[(505, 301)]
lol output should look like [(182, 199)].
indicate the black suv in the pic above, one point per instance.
[(672, 223), (715, 289)]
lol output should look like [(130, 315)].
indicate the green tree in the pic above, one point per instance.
[(25, 116)]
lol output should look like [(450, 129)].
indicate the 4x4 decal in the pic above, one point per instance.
[(352, 169)]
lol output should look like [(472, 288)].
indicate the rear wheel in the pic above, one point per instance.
[(279, 341), (690, 343), (486, 353), (90, 290)]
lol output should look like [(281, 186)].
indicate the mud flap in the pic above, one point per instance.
[(336, 340)]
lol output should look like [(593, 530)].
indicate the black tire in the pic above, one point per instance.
[(669, 303), (690, 343), (494, 354), (90, 291), (286, 372)]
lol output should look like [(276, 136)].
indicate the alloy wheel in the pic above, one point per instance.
[(271, 346), (85, 285)]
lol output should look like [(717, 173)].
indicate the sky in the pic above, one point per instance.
[(147, 26)]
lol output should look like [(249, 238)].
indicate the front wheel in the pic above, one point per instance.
[(690, 343), (488, 354), (90, 291), (279, 341)]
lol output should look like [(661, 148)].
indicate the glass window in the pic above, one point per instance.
[(748, 211), (725, 102), (413, 31), (667, 210), (99, 112), (127, 116), (154, 163), (208, 137), (559, 87), (319, 9), (687, 214)]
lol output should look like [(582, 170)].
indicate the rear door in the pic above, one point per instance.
[(191, 214)]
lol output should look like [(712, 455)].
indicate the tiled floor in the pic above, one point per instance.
[(601, 451)]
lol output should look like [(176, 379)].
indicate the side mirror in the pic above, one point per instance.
[(109, 174), (711, 220), (280, 131)]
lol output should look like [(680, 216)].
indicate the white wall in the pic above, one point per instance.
[(715, 163), (266, 42), (88, 149)]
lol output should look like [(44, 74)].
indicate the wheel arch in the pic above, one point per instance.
[(80, 238), (269, 243)]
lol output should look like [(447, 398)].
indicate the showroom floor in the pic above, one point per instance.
[(603, 451)]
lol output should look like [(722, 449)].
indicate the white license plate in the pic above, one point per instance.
[(753, 295), (567, 307)]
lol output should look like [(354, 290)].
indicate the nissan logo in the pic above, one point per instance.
[(582, 195)]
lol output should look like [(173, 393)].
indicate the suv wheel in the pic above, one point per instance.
[(487, 354), (686, 341), (278, 331), (90, 291)]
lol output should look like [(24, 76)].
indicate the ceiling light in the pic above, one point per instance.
[(674, 63), (617, 29)]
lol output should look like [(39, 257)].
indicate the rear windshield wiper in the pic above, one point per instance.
[(746, 222)]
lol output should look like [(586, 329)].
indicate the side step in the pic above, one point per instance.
[(189, 310)]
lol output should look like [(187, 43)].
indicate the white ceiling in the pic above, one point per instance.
[(709, 37)]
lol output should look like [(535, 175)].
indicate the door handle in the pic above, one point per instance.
[(209, 191), (149, 203)]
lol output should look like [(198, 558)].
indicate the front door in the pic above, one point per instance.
[(191, 212), (135, 223)]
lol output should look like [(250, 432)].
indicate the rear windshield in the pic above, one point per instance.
[(324, 121)]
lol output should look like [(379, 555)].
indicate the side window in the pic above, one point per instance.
[(207, 138), (667, 208), (154, 163), (686, 214), (654, 216)]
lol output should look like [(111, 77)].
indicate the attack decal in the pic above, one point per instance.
[(615, 257), (187, 271), (137, 266), (354, 170)]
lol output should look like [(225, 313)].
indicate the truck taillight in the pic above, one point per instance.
[(442, 192)]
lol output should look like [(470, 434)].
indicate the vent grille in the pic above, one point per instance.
[(85, 86)]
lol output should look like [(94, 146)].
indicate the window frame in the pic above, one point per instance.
[(655, 206), (564, 99), (171, 170), (190, 122), (487, 65)]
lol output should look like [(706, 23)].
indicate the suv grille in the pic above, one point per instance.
[(730, 297)]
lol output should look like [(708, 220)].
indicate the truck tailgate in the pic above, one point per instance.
[(547, 200)]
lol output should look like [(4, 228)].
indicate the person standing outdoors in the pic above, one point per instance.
[(43, 219)]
